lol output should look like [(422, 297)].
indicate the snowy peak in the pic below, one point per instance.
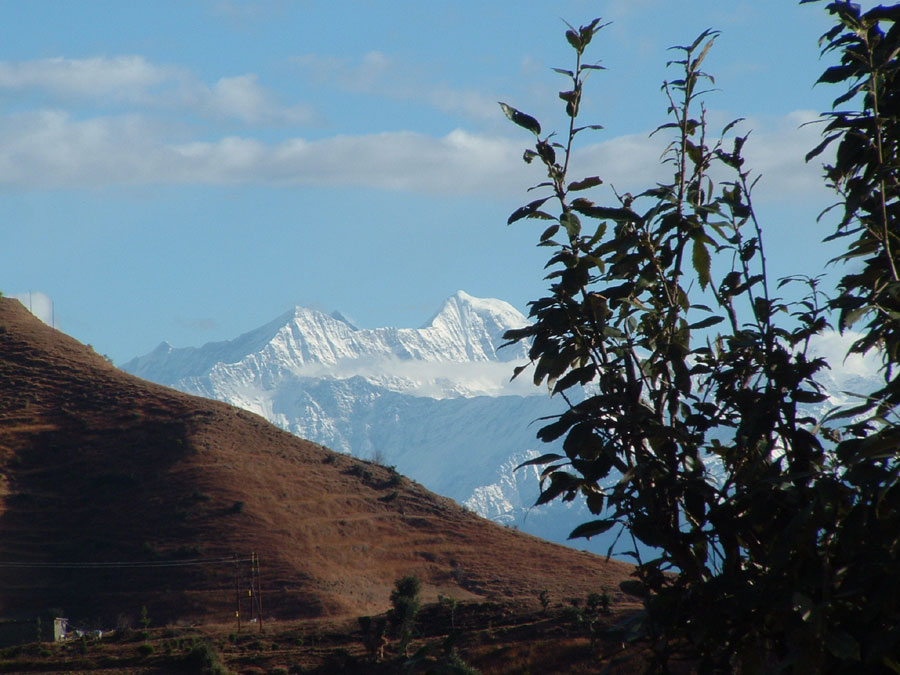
[(167, 364), (465, 329), (341, 317), (314, 337), (438, 359), (477, 325)]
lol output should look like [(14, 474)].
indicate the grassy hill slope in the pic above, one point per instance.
[(100, 467)]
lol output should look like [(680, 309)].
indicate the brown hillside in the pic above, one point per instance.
[(101, 467)]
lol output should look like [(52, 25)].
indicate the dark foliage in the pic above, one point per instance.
[(405, 604), (773, 530)]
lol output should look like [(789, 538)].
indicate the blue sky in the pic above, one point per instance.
[(188, 171)]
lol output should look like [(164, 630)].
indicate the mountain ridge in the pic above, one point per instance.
[(446, 415), (464, 329), (99, 466)]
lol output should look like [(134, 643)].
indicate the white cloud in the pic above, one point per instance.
[(467, 102), (775, 150), (434, 379), (134, 81), (242, 97), (457, 163), (630, 163), (49, 149), (52, 149), (121, 77), (38, 304), (379, 74)]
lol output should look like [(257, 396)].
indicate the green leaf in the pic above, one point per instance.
[(526, 211), (520, 118), (594, 501), (560, 482), (728, 127), (848, 318), (543, 459), (517, 371), (540, 215), (592, 528), (552, 431), (702, 262), (763, 308), (574, 40), (589, 182), (704, 52), (706, 323), (709, 32), (816, 151), (836, 74), (593, 127), (547, 153), (549, 232), (580, 376), (585, 207), (804, 396), (587, 32)]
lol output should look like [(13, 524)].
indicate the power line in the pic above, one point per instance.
[(254, 591), (121, 564)]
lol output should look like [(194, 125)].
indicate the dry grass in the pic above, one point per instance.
[(99, 466)]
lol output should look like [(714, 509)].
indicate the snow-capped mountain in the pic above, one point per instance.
[(451, 355), (436, 402)]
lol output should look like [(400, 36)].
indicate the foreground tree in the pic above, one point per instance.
[(691, 435)]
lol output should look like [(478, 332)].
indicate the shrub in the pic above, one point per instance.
[(145, 618), (544, 599), (373, 636), (205, 660), (405, 602)]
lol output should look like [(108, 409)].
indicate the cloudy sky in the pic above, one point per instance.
[(188, 171)]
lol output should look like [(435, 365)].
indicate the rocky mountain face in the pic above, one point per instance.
[(435, 402)]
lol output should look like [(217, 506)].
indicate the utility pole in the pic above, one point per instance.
[(254, 581), (237, 592)]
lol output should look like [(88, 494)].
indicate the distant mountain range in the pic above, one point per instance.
[(436, 402)]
